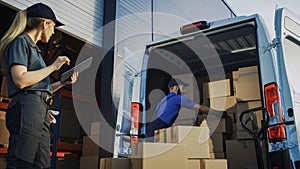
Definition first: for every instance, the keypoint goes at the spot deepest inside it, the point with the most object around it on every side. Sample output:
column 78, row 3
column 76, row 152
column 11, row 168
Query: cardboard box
column 90, row 146
column 207, row 164
column 220, row 88
column 4, row 88
column 195, row 140
column 241, row 154
column 158, row 155
column 245, row 71
column 248, row 88
column 89, row 162
column 223, row 103
column 115, row 163
column 160, row 136
column 95, row 129
column 4, row 134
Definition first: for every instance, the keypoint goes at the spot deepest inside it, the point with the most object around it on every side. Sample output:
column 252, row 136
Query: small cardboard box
column 158, row 155
column 248, row 88
column 220, row 88
column 207, row 164
column 90, row 146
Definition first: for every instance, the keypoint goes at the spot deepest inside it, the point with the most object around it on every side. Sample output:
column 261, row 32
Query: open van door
column 287, row 28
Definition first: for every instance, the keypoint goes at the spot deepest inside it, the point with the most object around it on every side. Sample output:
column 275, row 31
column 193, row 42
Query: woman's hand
column 73, row 79
column 60, row 61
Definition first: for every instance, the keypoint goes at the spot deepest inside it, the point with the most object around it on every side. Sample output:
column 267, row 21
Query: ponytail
column 18, row 26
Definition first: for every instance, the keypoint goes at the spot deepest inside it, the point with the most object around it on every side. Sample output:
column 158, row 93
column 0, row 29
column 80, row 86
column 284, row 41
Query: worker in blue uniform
column 168, row 108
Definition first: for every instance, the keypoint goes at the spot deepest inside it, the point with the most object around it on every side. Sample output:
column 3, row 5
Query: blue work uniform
column 27, row 116
column 167, row 111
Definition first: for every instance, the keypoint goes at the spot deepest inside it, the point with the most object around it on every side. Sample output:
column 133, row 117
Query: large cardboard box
column 4, row 134
column 241, row 154
column 90, row 146
column 219, row 88
column 115, row 163
column 89, row 162
column 158, row 156
column 207, row 164
column 223, row 103
column 248, row 88
column 195, row 140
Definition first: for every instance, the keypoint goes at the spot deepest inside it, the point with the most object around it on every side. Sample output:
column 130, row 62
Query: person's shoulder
column 19, row 39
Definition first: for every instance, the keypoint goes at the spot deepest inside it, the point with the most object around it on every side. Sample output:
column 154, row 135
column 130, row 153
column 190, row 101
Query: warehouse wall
column 81, row 18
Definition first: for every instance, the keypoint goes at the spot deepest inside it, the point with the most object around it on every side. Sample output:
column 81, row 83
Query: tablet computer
column 78, row 68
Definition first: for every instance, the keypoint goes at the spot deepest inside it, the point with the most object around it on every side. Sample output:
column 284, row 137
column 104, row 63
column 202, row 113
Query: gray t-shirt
column 23, row 51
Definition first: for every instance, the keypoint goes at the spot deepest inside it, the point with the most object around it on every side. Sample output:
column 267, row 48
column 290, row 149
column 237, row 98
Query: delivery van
column 231, row 65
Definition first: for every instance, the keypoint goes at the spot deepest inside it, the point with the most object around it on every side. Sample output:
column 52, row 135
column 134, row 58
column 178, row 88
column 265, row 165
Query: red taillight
column 272, row 100
column 136, row 109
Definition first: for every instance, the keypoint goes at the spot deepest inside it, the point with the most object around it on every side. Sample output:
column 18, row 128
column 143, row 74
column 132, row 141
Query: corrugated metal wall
column 81, row 18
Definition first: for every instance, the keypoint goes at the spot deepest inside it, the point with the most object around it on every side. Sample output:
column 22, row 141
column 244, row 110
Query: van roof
column 213, row 25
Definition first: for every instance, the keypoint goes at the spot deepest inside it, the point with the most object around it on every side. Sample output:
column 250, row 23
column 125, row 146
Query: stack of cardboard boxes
column 239, row 145
column 178, row 147
column 241, row 150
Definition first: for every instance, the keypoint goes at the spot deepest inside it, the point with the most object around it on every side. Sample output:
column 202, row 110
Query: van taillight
column 136, row 108
column 274, row 108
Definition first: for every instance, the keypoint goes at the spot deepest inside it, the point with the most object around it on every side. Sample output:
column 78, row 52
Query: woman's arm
column 23, row 78
column 57, row 85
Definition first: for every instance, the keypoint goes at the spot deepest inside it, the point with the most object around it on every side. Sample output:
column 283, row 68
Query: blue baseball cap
column 176, row 82
column 43, row 11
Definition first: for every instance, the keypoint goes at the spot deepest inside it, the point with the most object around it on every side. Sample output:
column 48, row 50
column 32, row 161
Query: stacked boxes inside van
column 239, row 145
column 177, row 147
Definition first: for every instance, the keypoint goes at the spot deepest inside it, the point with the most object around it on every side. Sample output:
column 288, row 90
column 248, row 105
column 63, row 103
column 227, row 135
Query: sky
column 266, row 8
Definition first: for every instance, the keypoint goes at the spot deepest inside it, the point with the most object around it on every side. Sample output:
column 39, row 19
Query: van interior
column 208, row 56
